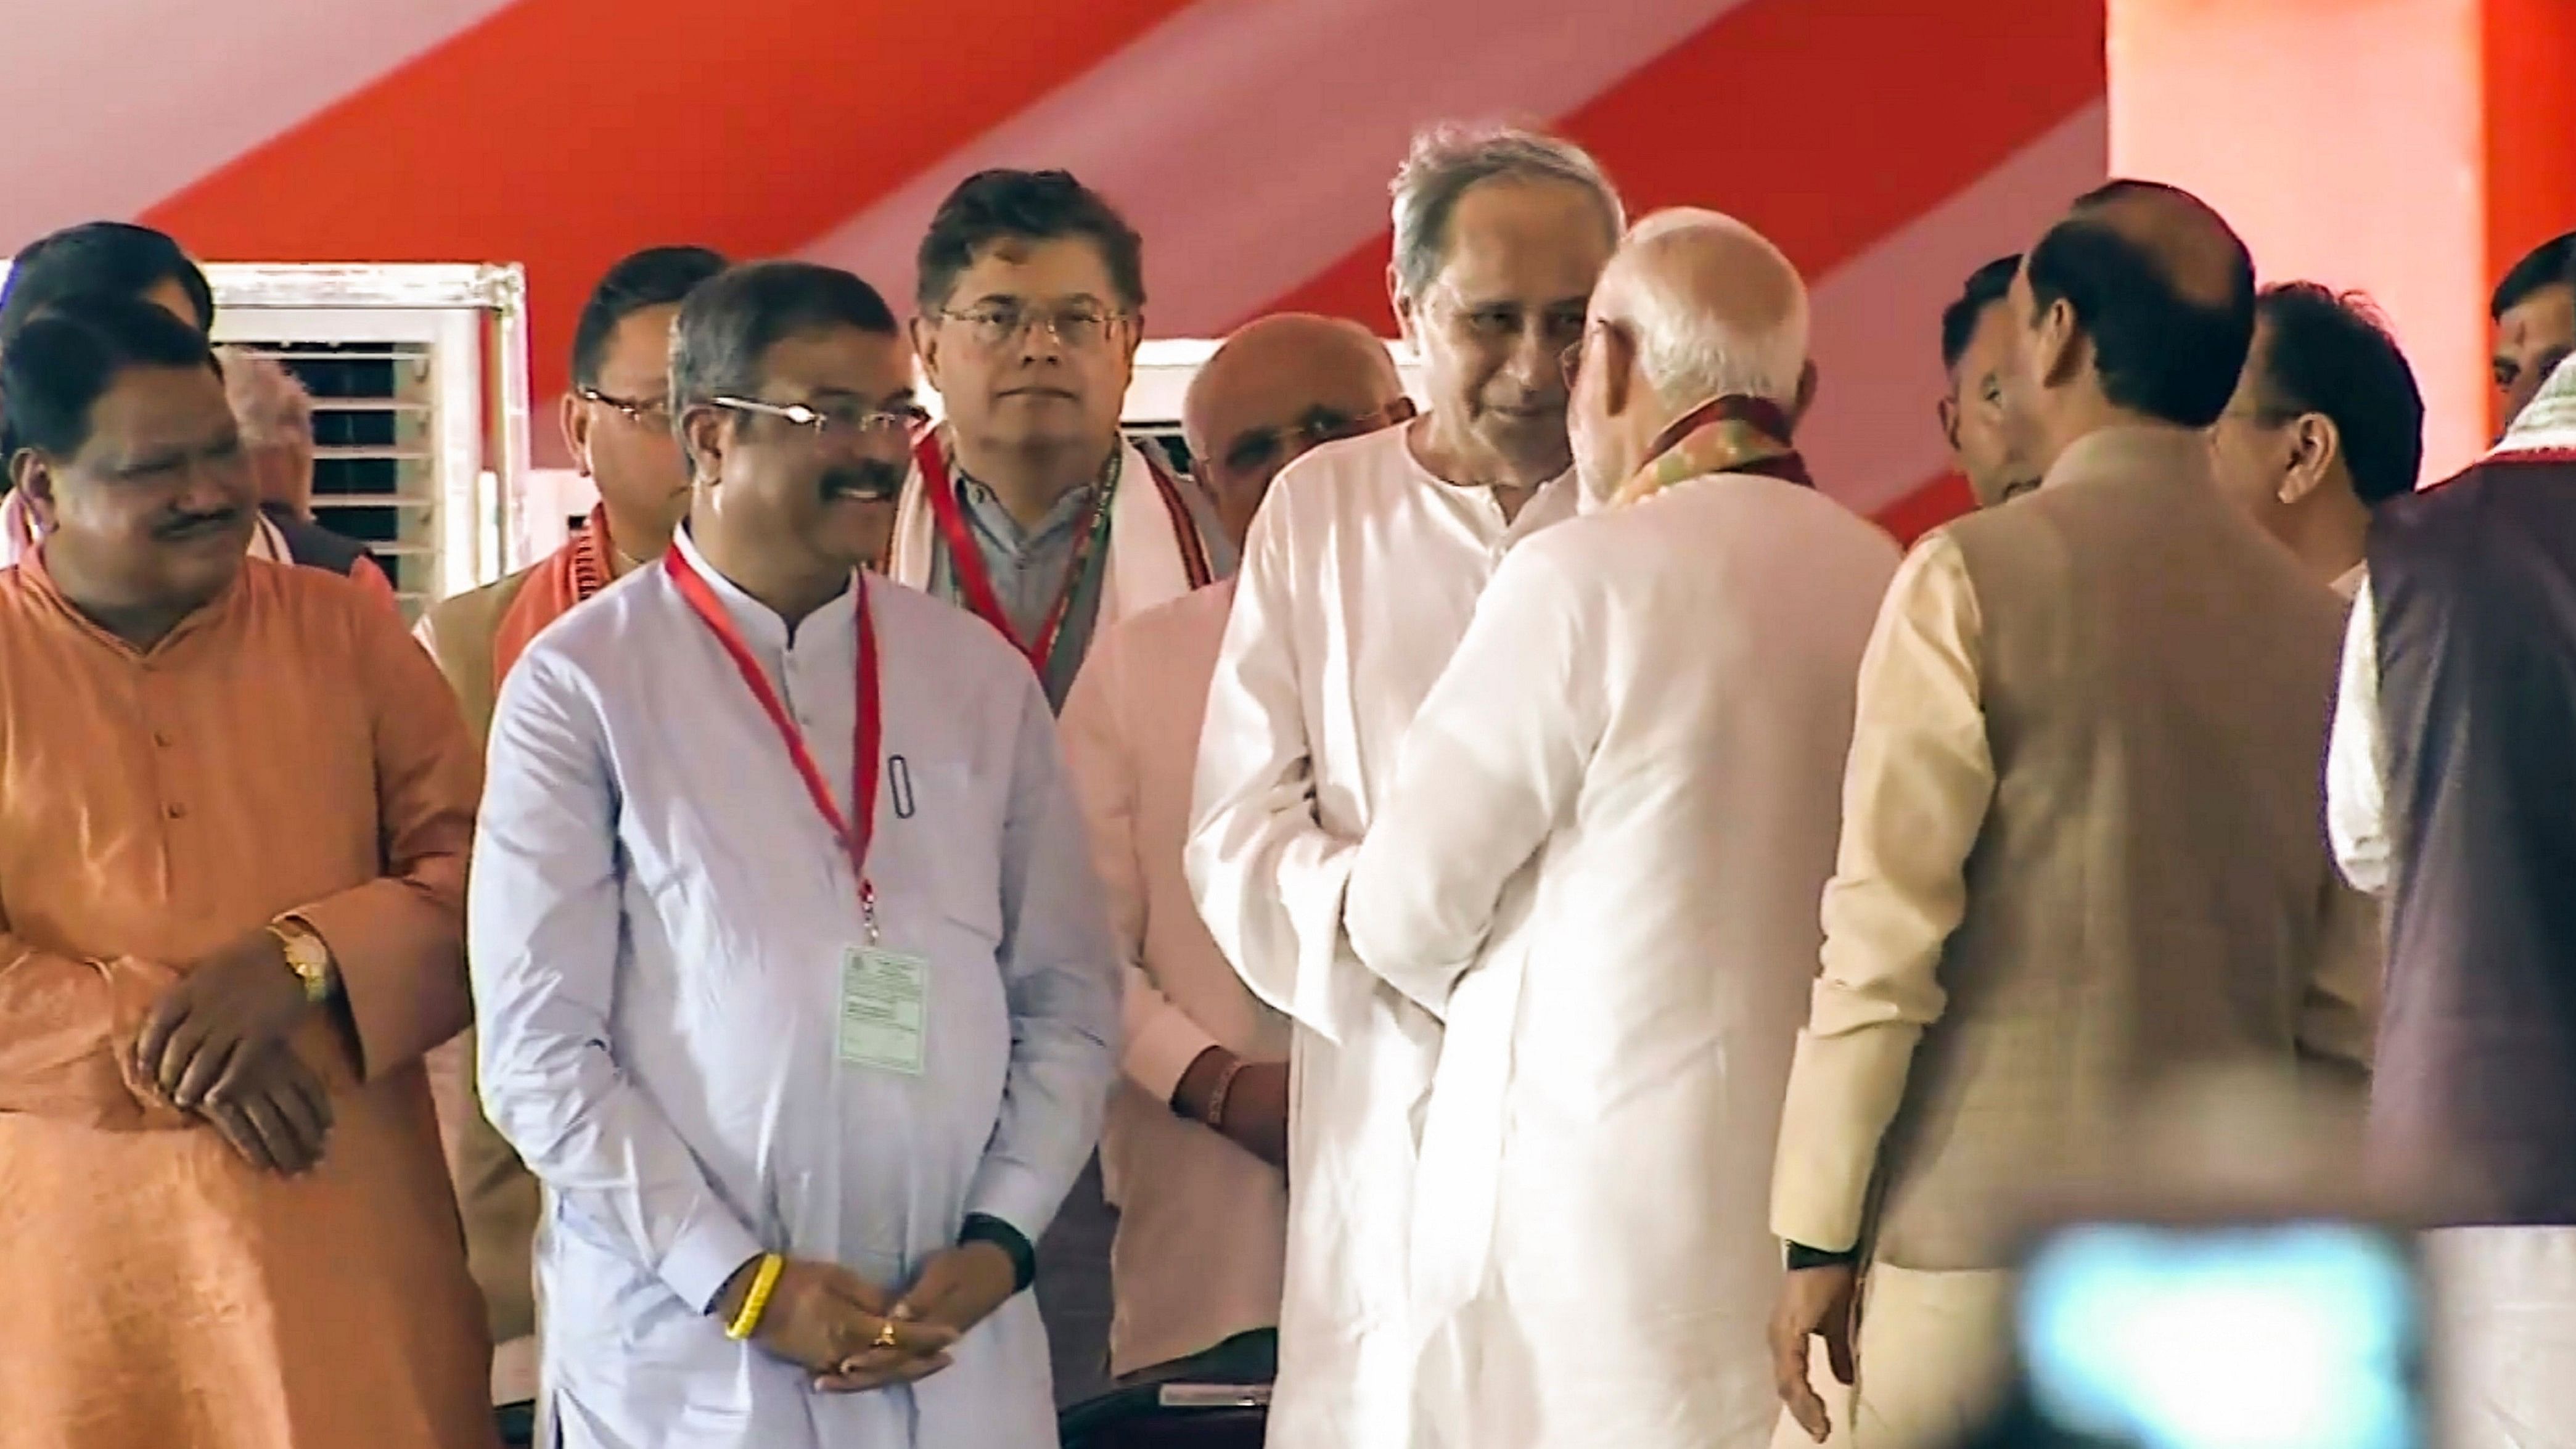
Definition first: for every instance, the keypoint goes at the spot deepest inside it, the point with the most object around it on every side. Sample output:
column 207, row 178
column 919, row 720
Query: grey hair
column 270, row 403
column 1691, row 353
column 1447, row 161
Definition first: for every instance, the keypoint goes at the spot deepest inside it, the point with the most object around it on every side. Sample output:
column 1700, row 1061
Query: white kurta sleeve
column 543, row 925
column 1060, row 974
column 2356, row 796
column 1492, row 763
column 1267, row 875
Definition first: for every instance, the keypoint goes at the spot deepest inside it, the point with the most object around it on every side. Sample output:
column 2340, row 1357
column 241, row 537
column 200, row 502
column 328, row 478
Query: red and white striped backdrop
column 1888, row 145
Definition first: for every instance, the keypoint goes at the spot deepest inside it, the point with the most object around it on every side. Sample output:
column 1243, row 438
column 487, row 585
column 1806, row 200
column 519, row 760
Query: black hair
column 992, row 206
column 2550, row 264
column 729, row 322
column 654, row 277
column 1987, row 286
column 2331, row 354
column 99, row 257
column 62, row 360
column 2155, row 351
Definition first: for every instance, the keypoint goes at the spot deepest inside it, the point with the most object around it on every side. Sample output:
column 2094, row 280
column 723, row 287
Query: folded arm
column 67, row 1029
column 1915, row 794
column 1268, row 876
column 1060, row 976
column 545, row 924
column 399, row 940
column 1491, row 764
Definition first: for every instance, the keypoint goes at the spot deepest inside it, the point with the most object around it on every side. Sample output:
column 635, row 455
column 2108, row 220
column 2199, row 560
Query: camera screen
column 2270, row 1336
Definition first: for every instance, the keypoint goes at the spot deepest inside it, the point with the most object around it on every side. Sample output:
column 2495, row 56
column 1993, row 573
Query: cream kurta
column 1360, row 576
column 1600, row 865
column 284, row 749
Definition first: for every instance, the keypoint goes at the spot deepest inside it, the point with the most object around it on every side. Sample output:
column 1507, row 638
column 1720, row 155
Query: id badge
column 885, row 1010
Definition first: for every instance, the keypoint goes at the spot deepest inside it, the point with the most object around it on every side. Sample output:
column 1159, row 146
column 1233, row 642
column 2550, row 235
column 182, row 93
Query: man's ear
column 575, row 418
column 1617, row 357
column 1806, row 395
column 925, row 345
column 705, row 433
column 1403, row 305
column 2059, row 345
column 2316, row 446
column 32, row 473
column 1948, row 409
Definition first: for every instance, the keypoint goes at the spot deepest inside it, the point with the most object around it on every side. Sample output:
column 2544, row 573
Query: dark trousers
column 1073, row 1289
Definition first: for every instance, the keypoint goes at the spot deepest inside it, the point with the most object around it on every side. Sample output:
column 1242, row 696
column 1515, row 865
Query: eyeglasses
column 999, row 324
column 1252, row 452
column 835, row 420
column 643, row 412
column 1571, row 359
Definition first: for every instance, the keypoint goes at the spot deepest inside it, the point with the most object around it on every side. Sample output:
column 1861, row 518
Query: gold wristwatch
column 308, row 957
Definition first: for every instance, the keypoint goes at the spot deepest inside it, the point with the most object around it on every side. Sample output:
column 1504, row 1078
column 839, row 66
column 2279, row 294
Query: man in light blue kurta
column 661, row 916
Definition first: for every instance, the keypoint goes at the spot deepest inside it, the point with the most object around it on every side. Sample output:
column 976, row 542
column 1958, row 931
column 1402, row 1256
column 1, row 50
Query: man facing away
column 1195, row 1146
column 276, row 418
column 1976, row 347
column 1361, row 573
column 2534, row 309
column 1598, row 867
column 792, row 980
column 2326, row 425
column 2079, row 849
column 231, row 873
column 2451, row 794
column 118, row 258
column 617, row 423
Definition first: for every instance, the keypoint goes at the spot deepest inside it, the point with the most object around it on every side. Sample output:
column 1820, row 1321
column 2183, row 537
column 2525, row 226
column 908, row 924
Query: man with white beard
column 1359, row 577
column 1599, row 864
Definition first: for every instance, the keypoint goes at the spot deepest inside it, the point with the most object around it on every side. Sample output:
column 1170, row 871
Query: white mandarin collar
column 760, row 625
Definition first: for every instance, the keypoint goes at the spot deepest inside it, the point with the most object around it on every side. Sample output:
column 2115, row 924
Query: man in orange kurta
column 235, row 803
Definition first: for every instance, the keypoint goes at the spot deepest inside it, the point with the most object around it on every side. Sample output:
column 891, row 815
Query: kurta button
column 175, row 810
column 163, row 739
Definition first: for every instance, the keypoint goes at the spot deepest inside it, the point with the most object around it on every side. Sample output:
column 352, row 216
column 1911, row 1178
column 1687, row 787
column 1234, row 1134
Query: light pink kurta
column 1203, row 1224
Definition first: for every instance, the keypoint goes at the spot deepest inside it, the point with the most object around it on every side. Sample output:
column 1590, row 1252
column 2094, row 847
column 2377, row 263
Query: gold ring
column 885, row 1335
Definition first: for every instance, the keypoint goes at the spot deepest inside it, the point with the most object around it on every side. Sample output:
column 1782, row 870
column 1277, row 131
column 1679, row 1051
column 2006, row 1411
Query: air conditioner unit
column 419, row 376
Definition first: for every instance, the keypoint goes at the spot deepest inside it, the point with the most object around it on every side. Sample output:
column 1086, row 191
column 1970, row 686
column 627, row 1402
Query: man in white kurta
column 1599, row 867
column 711, row 1033
column 1359, row 577
column 1192, row 1150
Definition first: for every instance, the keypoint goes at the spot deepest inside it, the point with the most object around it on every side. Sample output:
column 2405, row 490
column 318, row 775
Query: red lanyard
column 853, row 831
column 974, row 581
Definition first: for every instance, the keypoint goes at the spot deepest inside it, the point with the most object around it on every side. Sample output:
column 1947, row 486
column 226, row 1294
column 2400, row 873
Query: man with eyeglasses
column 1359, row 578
column 795, row 987
column 1195, row 1147
column 617, row 422
column 1026, row 506
column 1028, row 509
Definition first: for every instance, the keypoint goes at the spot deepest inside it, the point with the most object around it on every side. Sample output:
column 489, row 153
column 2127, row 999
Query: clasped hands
column 216, row 1044
column 851, row 1337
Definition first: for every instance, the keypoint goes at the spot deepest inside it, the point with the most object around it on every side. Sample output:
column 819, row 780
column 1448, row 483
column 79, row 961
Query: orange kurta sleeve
column 67, row 1029
column 399, row 940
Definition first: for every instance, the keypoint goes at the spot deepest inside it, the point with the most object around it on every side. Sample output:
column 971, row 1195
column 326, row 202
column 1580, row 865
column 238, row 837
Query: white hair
column 1691, row 351
column 269, row 403
column 1449, row 160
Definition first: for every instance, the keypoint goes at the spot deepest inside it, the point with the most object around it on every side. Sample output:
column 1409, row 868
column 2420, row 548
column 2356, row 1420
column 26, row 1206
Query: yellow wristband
column 764, row 1281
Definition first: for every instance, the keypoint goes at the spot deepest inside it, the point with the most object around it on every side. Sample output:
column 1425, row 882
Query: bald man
column 1597, row 866
column 1192, row 1150
column 2080, row 847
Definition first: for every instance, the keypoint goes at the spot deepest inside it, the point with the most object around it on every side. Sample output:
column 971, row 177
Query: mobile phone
column 2247, row 1335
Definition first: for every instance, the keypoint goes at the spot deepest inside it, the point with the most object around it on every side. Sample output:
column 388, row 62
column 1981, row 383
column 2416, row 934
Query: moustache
column 867, row 482
column 179, row 526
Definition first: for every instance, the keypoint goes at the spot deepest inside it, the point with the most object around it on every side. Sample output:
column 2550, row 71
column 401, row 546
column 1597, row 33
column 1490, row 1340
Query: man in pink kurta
column 1193, row 1149
column 235, row 802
